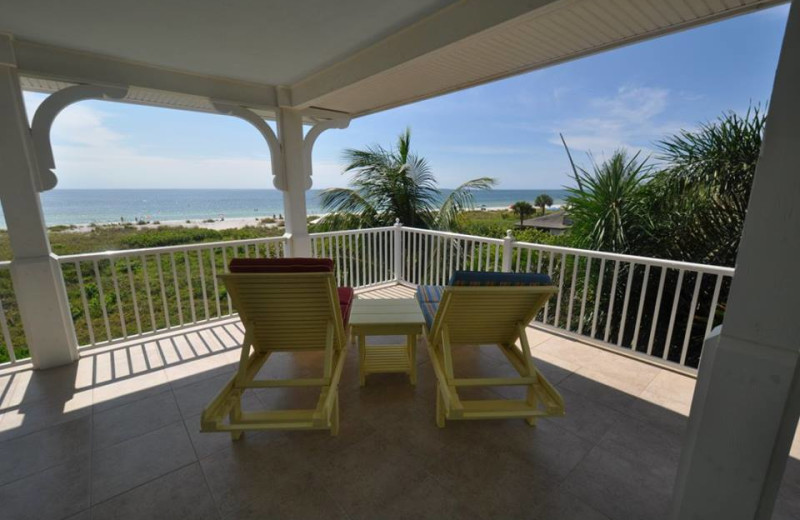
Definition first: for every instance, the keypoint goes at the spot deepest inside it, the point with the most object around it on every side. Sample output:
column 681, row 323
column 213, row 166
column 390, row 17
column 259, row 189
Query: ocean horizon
column 104, row 206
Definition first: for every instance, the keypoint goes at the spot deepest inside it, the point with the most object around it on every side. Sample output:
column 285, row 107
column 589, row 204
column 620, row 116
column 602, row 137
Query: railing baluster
column 176, row 286
column 118, row 297
column 584, row 292
column 496, row 257
column 575, row 263
column 225, row 270
column 84, row 300
column 656, row 311
column 102, row 297
column 628, row 283
column 212, row 254
column 675, row 300
column 612, row 298
column 597, row 296
column 133, row 296
column 550, row 274
column 561, row 266
column 190, row 284
column 143, row 259
column 163, row 290
column 712, row 310
column 690, row 321
column 203, row 281
column 642, row 297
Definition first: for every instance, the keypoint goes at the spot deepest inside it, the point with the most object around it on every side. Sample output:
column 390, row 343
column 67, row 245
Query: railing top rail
column 454, row 235
column 5, row 264
column 643, row 260
column 350, row 232
column 166, row 249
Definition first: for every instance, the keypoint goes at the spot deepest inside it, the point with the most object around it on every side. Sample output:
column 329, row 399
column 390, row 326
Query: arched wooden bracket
column 278, row 174
column 43, row 122
column 311, row 137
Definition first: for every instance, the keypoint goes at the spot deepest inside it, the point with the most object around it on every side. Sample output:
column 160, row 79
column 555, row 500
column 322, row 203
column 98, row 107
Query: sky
column 628, row 98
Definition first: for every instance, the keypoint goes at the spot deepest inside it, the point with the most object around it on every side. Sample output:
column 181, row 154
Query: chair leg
column 235, row 415
column 362, row 358
column 531, row 400
column 411, row 341
column 335, row 416
column 440, row 414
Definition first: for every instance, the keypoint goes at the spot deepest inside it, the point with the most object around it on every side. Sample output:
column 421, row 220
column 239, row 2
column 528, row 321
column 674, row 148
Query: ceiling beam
column 445, row 27
column 60, row 64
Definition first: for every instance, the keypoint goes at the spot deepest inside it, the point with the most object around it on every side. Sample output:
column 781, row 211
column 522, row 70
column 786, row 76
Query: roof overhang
column 437, row 47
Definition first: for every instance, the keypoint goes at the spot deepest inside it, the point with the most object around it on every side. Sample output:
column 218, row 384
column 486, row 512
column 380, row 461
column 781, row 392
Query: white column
column 747, row 400
column 297, row 182
column 35, row 272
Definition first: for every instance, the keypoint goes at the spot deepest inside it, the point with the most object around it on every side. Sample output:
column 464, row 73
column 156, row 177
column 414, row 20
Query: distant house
column 555, row 223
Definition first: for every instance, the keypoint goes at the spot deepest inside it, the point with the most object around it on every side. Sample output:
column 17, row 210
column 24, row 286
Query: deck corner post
column 508, row 251
column 398, row 251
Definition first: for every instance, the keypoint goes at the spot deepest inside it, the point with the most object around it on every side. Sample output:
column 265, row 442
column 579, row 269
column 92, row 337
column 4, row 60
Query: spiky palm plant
column 699, row 200
column 389, row 184
column 608, row 210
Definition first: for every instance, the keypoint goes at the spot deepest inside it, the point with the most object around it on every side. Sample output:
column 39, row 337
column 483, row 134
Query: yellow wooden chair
column 488, row 308
column 286, row 305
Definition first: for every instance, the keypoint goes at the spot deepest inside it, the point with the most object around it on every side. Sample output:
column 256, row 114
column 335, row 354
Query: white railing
column 652, row 307
column 658, row 309
column 430, row 257
column 10, row 324
column 121, row 294
column 646, row 306
column 362, row 257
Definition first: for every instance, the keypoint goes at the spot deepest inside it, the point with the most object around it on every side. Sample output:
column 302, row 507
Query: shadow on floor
column 117, row 435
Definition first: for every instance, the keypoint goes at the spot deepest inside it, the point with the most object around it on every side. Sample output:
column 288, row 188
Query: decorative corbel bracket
column 278, row 171
column 43, row 122
column 311, row 138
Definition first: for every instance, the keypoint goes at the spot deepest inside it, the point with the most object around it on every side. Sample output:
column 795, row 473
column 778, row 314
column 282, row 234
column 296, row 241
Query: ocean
column 64, row 207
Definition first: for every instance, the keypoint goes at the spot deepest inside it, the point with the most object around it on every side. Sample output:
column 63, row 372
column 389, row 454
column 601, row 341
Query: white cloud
column 630, row 120
column 478, row 149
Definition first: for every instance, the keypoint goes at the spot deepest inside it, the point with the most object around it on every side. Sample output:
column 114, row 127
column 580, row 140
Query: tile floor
column 117, row 436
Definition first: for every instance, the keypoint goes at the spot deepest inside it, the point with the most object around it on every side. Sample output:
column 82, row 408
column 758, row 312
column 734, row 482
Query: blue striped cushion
column 489, row 279
column 430, row 293
column 428, row 297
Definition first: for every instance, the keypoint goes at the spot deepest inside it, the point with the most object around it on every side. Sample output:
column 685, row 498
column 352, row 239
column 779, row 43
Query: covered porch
column 116, row 435
column 107, row 429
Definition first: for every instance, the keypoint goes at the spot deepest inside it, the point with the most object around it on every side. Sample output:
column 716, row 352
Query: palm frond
column 460, row 199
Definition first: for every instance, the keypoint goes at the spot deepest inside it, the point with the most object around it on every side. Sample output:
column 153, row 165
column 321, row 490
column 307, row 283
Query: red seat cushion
column 295, row 265
column 346, row 298
column 281, row 265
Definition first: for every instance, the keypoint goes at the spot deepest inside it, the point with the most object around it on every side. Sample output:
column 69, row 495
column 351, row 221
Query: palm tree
column 544, row 200
column 609, row 210
column 699, row 200
column 389, row 184
column 522, row 209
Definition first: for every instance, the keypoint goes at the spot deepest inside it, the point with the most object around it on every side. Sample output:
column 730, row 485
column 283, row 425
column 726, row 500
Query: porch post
column 35, row 271
column 296, row 182
column 747, row 400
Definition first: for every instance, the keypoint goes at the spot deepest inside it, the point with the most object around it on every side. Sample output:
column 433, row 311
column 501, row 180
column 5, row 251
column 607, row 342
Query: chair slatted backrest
column 483, row 315
column 287, row 310
column 486, row 307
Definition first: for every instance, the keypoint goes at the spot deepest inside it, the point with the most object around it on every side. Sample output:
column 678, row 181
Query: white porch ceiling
column 352, row 56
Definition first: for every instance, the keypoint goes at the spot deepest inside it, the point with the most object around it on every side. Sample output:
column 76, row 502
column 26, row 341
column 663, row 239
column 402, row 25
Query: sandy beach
column 218, row 224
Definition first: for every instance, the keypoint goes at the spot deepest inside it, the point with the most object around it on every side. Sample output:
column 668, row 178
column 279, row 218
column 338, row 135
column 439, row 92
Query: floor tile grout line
column 198, row 460
column 148, row 481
